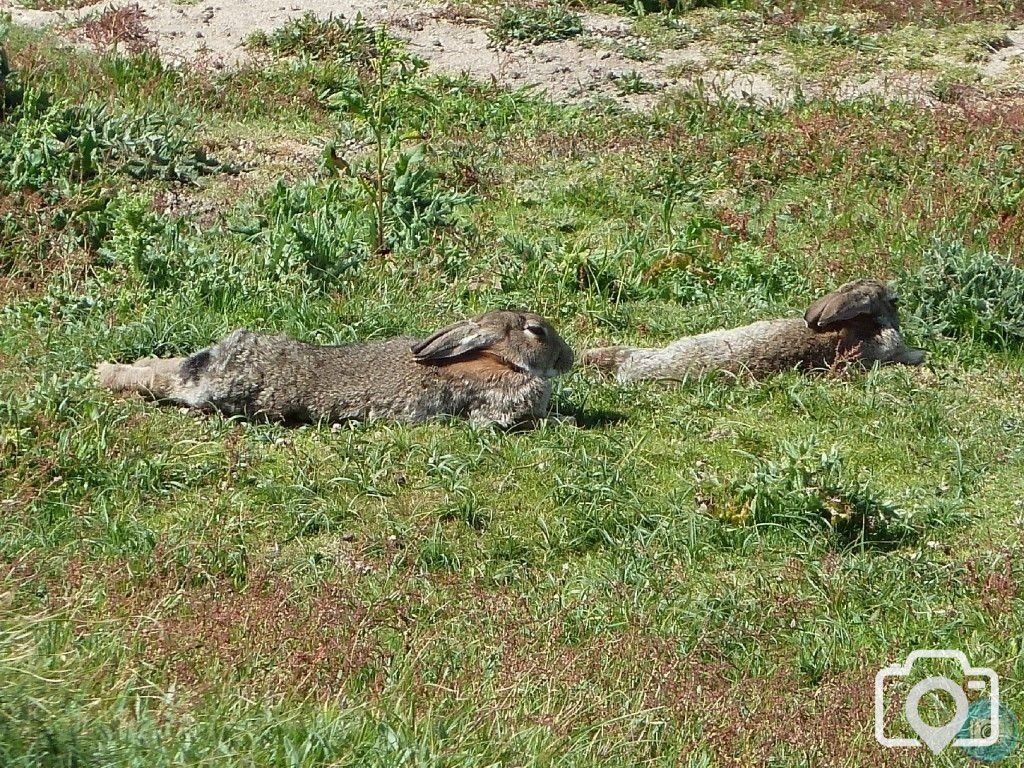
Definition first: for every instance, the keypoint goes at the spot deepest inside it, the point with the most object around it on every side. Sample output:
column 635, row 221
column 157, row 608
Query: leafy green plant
column 417, row 203
column 313, row 226
column 149, row 146
column 804, row 485
column 330, row 227
column 133, row 226
column 141, row 73
column 686, row 271
column 636, row 52
column 302, row 239
column 55, row 147
column 830, row 34
column 319, row 38
column 632, row 82
column 962, row 293
column 66, row 153
column 396, row 181
column 536, row 24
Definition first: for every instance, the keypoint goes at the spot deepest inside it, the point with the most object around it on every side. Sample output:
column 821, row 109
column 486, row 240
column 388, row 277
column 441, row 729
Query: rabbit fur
column 858, row 321
column 495, row 368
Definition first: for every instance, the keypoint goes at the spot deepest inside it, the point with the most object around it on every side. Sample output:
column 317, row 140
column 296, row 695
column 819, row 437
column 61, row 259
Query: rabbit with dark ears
column 856, row 322
column 495, row 368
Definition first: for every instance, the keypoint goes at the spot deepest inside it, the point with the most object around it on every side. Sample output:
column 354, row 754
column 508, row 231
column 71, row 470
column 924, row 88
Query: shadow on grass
column 595, row 417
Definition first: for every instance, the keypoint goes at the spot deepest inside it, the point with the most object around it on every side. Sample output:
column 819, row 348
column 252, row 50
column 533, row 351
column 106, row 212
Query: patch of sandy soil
column 1008, row 61
column 452, row 41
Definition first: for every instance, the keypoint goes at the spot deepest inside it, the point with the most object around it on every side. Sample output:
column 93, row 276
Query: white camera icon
column 937, row 738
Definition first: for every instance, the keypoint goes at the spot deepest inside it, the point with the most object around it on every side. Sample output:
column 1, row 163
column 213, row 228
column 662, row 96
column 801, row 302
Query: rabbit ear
column 863, row 297
column 457, row 339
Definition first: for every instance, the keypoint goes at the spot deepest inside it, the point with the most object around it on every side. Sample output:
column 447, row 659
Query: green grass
column 704, row 575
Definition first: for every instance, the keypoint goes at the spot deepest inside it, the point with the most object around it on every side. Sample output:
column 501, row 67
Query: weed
column 635, row 52
column 830, row 34
column 49, row 147
column 632, row 82
column 962, row 293
column 67, row 154
column 396, row 181
column 119, row 30
column 332, row 39
column 536, row 24
column 806, row 485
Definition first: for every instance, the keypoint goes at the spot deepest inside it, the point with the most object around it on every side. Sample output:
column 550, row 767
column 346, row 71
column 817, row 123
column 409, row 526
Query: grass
column 705, row 575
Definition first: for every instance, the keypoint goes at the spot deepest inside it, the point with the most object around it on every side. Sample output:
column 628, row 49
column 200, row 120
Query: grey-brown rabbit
column 495, row 368
column 858, row 321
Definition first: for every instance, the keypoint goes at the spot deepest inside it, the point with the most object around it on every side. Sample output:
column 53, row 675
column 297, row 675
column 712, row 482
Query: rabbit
column 858, row 321
column 495, row 368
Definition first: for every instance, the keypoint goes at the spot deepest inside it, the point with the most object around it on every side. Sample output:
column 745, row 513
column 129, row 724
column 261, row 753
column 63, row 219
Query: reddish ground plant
column 995, row 582
column 512, row 657
column 942, row 12
column 120, row 30
column 896, row 13
column 267, row 638
column 58, row 5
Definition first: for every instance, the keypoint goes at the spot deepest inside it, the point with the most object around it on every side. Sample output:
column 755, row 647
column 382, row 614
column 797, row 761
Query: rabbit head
column 522, row 340
column 868, row 299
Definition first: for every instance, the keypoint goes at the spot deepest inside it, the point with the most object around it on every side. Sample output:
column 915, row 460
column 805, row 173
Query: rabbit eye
column 537, row 330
